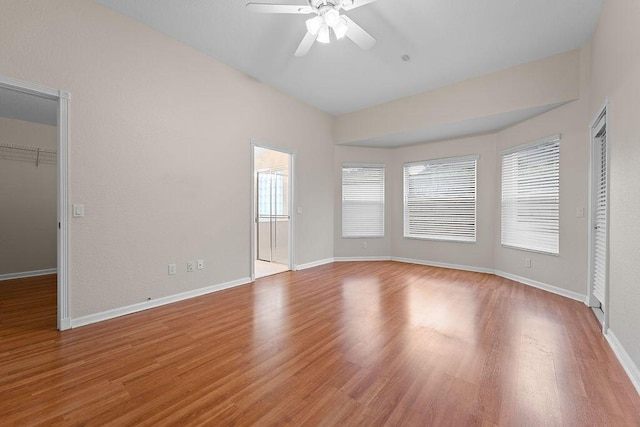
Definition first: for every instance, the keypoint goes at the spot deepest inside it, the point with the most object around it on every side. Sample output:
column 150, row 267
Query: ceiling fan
column 328, row 20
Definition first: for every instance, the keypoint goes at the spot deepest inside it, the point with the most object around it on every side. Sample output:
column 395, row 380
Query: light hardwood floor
column 342, row 344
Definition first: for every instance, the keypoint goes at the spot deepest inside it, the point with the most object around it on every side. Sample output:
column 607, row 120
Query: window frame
column 382, row 167
column 405, row 214
column 553, row 139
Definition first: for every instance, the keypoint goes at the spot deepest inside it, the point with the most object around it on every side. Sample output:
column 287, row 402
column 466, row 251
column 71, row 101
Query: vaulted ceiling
column 447, row 41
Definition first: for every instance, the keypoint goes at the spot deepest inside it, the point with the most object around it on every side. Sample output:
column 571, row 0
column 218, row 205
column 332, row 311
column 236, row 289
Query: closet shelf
column 23, row 153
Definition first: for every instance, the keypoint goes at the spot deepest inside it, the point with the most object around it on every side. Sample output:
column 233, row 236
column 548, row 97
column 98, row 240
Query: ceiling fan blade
column 279, row 8
column 358, row 35
column 352, row 4
column 305, row 44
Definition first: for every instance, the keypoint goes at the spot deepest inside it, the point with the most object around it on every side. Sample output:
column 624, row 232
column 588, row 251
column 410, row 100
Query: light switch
column 78, row 210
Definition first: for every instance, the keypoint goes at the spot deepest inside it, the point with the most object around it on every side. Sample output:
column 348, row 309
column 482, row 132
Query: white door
column 599, row 217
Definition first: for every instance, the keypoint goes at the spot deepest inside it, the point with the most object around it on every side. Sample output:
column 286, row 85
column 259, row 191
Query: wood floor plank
column 378, row 343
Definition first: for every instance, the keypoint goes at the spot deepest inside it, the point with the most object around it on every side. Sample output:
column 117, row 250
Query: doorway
column 35, row 151
column 271, row 217
column 599, row 219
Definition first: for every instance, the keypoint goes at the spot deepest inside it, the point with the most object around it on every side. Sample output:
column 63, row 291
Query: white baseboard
column 362, row 258
column 313, row 264
column 529, row 282
column 443, row 265
column 545, row 287
column 23, row 274
column 64, row 324
column 625, row 360
column 117, row 312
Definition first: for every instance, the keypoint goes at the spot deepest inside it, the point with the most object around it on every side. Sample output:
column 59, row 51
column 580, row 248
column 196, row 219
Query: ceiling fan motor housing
column 327, row 22
column 321, row 6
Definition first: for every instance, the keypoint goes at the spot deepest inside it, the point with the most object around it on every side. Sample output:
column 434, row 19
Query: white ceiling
column 447, row 40
column 29, row 108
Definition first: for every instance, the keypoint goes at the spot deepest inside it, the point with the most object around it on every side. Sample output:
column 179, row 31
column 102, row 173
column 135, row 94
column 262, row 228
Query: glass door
column 272, row 228
column 272, row 216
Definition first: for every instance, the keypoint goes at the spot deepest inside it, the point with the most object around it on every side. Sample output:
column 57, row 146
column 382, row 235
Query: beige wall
column 160, row 152
column 270, row 159
column 615, row 69
column 28, row 200
column 545, row 82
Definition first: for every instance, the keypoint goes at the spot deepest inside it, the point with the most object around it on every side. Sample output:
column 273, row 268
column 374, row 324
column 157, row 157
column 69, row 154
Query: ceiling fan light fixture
column 314, row 24
column 341, row 28
column 324, row 35
column 325, row 19
column 331, row 17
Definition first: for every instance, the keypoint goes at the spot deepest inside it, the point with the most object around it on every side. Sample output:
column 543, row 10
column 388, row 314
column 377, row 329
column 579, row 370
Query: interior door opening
column 272, row 207
column 29, row 221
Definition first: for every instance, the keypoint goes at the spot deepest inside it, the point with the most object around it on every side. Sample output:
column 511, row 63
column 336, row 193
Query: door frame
column 252, row 220
column 62, row 98
column 604, row 111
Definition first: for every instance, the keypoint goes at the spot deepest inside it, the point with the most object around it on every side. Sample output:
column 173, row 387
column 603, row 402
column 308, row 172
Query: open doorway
column 29, row 194
column 33, row 189
column 272, row 227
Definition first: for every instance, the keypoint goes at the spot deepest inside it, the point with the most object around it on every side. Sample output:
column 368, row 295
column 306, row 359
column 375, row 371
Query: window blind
column 440, row 199
column 531, row 196
column 600, row 249
column 362, row 200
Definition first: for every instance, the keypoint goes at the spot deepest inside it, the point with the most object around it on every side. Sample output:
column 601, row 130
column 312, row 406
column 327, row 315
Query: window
column 440, row 199
column 271, row 195
column 531, row 196
column 362, row 200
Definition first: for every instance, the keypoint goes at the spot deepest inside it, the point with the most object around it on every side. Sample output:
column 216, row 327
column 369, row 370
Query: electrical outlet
column 189, row 266
column 527, row 262
column 364, row 244
column 200, row 264
column 172, row 269
column 579, row 212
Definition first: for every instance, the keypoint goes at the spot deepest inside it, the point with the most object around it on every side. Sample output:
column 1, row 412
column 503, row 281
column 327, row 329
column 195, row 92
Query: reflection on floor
column 349, row 343
column 264, row 268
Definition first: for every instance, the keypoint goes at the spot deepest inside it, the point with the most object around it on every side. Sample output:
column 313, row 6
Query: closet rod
column 29, row 154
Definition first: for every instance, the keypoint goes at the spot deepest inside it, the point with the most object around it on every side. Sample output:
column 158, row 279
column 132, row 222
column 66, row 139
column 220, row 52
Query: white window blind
column 600, row 210
column 531, row 196
column 362, row 200
column 440, row 199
